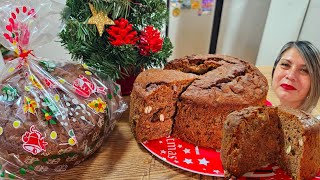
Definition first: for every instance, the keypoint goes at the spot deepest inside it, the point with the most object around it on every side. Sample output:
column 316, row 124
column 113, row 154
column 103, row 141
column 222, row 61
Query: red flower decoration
column 150, row 41
column 121, row 33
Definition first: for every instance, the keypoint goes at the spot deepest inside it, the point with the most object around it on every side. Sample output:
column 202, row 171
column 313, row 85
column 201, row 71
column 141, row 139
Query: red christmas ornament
column 150, row 41
column 122, row 33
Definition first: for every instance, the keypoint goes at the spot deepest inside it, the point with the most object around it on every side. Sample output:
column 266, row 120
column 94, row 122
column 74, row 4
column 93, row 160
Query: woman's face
column 291, row 80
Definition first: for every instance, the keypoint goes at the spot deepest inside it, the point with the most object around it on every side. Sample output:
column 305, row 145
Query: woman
column 296, row 75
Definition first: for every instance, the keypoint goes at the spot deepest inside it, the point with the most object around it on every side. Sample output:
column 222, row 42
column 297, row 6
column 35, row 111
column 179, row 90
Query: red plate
column 204, row 161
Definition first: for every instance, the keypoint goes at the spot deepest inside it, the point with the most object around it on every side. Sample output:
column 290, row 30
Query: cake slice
column 153, row 102
column 250, row 140
column 257, row 136
column 300, row 155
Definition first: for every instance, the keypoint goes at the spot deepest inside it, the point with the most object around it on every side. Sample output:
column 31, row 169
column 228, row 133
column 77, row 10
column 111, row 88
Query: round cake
column 216, row 86
column 52, row 117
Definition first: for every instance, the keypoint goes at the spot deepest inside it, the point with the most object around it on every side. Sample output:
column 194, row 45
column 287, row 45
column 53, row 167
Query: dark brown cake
column 257, row 136
column 225, row 84
column 57, row 119
column 153, row 102
column 200, row 105
column 300, row 155
column 250, row 140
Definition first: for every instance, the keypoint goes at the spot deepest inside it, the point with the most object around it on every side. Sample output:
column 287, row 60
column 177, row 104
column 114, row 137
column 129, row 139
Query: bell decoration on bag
column 33, row 141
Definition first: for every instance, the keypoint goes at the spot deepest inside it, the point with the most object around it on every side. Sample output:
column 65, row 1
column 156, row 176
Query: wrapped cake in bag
column 52, row 116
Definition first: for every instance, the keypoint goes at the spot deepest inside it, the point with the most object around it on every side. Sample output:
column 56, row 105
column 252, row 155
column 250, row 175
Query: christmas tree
column 116, row 37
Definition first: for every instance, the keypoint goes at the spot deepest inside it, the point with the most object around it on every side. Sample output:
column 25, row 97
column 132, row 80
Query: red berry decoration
column 121, row 33
column 150, row 41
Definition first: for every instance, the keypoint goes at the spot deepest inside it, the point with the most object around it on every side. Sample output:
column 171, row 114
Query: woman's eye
column 304, row 71
column 284, row 65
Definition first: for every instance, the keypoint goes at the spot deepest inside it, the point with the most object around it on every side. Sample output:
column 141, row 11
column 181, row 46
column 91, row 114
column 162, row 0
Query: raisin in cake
column 292, row 140
column 53, row 120
column 225, row 84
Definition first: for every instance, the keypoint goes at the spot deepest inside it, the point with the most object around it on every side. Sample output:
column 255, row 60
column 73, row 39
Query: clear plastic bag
column 53, row 115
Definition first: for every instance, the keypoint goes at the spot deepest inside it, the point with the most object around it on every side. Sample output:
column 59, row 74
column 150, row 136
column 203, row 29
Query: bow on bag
column 27, row 25
column 18, row 33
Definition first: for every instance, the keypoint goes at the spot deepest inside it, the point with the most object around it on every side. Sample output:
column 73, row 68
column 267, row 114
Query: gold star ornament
column 99, row 19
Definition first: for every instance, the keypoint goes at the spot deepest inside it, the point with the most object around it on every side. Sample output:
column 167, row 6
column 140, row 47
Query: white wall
column 310, row 29
column 241, row 28
column 54, row 49
column 190, row 33
column 284, row 22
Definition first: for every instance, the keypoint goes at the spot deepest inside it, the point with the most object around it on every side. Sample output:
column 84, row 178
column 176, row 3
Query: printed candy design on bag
column 51, row 113
column 49, row 117
column 35, row 82
column 72, row 140
column 84, row 87
column 53, row 135
column 29, row 105
column 16, row 124
column 9, row 94
column 33, row 141
column 49, row 83
column 98, row 105
column 48, row 66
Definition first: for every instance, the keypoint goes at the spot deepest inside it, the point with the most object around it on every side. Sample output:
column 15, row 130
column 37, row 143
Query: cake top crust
column 151, row 79
column 251, row 112
column 223, row 80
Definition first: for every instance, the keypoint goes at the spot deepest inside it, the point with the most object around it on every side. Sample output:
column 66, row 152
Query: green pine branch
column 3, row 50
column 83, row 42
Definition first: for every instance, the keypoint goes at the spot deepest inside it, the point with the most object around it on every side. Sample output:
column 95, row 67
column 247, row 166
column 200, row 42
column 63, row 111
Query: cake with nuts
column 52, row 117
column 300, row 155
column 153, row 102
column 223, row 84
column 256, row 136
column 250, row 140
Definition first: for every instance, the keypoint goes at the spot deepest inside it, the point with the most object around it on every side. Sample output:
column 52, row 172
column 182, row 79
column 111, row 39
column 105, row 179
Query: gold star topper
column 99, row 19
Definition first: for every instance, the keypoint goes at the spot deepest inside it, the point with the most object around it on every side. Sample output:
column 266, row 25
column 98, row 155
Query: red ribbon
column 24, row 55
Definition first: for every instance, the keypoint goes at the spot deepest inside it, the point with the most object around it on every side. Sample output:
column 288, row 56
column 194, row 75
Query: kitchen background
column 253, row 30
